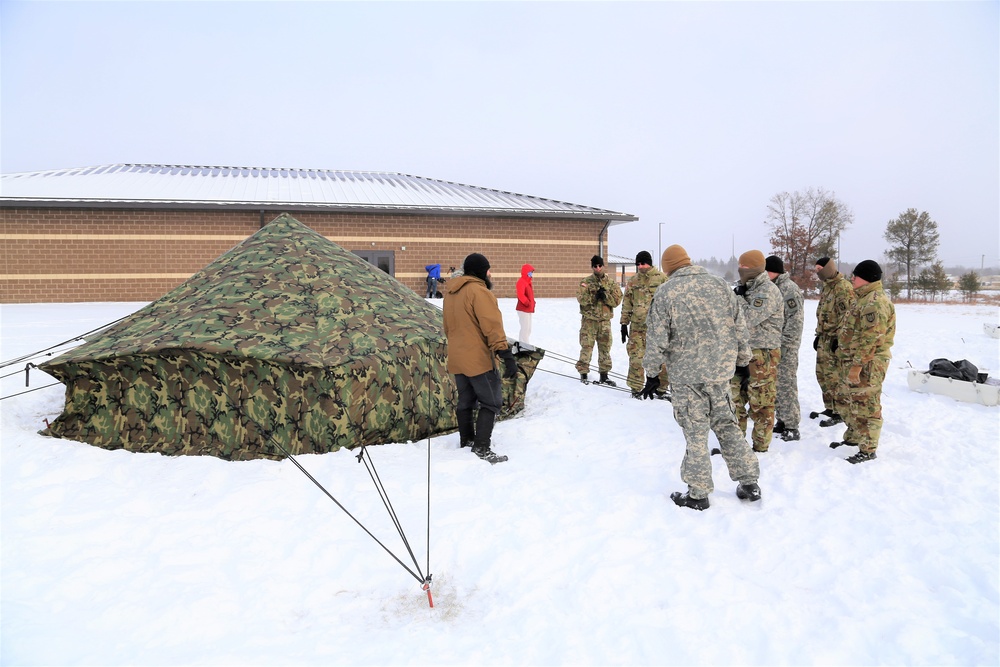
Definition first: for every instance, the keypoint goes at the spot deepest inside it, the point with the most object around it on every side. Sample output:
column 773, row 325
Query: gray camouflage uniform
column 695, row 326
column 787, row 403
column 762, row 309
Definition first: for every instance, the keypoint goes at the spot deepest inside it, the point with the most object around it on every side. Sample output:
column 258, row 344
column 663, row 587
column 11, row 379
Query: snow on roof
column 253, row 187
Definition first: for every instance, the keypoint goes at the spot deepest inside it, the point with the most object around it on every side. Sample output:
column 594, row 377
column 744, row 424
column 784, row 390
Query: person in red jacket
column 525, row 302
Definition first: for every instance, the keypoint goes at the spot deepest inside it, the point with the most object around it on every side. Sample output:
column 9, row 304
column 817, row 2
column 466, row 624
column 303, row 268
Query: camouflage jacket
column 791, row 330
column 836, row 298
column 696, row 326
column 869, row 327
column 473, row 325
column 638, row 295
column 592, row 308
column 762, row 308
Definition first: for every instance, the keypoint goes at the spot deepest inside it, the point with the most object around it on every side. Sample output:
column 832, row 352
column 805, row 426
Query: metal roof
column 177, row 186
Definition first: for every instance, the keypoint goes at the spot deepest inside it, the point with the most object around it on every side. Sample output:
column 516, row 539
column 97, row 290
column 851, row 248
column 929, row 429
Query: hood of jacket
column 525, row 270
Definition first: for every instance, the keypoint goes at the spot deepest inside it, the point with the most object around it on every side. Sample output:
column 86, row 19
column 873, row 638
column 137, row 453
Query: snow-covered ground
column 569, row 553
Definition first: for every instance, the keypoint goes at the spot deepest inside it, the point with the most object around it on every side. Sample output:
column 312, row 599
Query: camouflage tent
column 287, row 338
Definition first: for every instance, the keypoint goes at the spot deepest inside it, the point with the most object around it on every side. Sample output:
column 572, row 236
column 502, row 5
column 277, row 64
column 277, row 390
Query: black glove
column 600, row 293
column 652, row 384
column 834, row 344
column 509, row 363
column 816, row 343
column 743, row 372
column 624, row 333
column 740, row 289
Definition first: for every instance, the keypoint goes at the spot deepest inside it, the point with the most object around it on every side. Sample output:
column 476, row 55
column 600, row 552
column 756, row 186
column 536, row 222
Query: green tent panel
column 286, row 338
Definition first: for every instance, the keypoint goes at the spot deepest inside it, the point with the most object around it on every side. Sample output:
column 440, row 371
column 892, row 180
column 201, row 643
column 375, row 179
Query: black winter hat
column 868, row 270
column 476, row 265
column 774, row 264
column 596, row 260
column 644, row 258
column 822, row 261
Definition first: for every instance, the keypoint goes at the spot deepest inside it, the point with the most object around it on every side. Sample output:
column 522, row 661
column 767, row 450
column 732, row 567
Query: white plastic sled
column 968, row 392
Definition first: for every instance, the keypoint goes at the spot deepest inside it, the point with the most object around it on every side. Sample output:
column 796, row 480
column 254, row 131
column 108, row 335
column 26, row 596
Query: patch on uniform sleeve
column 791, row 303
column 870, row 318
column 758, row 302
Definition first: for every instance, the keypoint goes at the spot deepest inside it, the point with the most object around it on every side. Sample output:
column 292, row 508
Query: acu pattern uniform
column 787, row 401
column 635, row 305
column 696, row 327
column 866, row 338
column 835, row 300
column 763, row 311
column 595, row 314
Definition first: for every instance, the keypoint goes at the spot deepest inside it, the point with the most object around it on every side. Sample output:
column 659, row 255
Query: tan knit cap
column 827, row 271
column 753, row 259
column 674, row 258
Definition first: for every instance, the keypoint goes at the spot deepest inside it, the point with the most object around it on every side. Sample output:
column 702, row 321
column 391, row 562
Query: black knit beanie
column 774, row 264
column 476, row 265
column 868, row 270
column 644, row 258
column 596, row 260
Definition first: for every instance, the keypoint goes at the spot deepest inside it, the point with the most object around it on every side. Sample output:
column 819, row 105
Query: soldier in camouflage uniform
column 598, row 296
column 835, row 300
column 787, row 403
column 695, row 326
column 865, row 339
column 635, row 304
column 756, row 384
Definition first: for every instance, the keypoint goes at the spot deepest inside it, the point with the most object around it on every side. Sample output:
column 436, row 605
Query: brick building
column 129, row 232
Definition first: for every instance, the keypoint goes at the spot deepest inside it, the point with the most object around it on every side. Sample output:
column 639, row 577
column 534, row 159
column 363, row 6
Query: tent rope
column 270, row 437
column 47, row 352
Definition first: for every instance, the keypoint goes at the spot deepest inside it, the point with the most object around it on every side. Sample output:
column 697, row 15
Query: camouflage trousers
column 595, row 331
column 636, row 349
column 860, row 404
column 786, row 404
column 760, row 394
column 827, row 373
column 699, row 408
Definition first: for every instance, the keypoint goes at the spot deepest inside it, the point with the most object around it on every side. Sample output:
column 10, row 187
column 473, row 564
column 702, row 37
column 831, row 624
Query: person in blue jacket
column 433, row 275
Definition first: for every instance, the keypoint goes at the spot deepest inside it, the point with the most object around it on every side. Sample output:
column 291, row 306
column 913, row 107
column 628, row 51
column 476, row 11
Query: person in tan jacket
column 474, row 328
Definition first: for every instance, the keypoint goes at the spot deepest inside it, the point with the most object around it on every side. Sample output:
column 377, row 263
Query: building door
column 383, row 259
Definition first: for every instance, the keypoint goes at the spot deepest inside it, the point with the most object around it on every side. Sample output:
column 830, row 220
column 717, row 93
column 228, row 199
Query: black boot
column 832, row 420
column 825, row 413
column 466, row 427
column 861, row 457
column 484, row 431
column 748, row 491
column 583, row 378
column 790, row 434
column 605, row 380
column 842, row 443
column 779, row 427
column 488, row 455
column 685, row 500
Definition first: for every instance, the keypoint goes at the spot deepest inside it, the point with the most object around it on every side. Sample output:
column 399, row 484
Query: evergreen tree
column 933, row 281
column 969, row 284
column 913, row 239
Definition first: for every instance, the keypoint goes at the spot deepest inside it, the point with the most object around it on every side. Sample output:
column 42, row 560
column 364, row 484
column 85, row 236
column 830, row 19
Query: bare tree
column 805, row 226
column 913, row 239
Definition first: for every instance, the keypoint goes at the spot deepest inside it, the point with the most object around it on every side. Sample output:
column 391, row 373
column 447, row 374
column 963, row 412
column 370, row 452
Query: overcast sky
column 688, row 114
